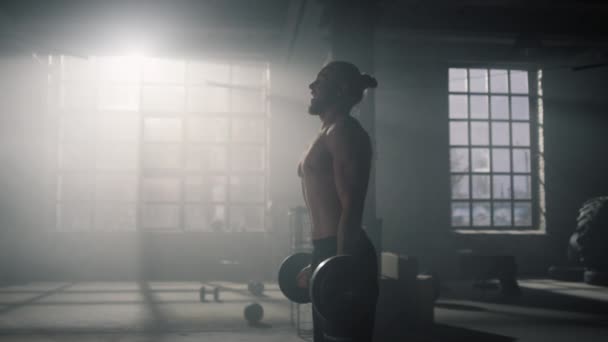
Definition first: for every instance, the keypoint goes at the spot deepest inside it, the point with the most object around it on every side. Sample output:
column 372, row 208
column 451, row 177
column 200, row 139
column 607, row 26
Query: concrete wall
column 412, row 156
column 576, row 126
column 412, row 176
column 413, row 188
column 31, row 249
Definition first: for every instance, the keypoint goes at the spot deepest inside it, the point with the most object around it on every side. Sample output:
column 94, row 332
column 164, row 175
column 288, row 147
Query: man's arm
column 351, row 153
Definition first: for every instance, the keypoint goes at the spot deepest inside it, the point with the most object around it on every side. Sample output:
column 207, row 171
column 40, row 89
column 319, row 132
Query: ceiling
column 193, row 26
column 274, row 27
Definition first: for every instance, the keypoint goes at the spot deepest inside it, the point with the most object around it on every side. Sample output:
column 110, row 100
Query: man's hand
column 303, row 278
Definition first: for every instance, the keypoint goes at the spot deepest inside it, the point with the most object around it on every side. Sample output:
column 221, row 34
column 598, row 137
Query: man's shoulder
column 347, row 126
column 348, row 132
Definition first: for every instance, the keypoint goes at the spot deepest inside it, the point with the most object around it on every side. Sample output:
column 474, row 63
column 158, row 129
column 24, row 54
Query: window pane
column 206, row 189
column 522, row 189
column 211, row 158
column 116, row 188
column 207, row 129
column 74, row 216
column 458, row 79
column 479, row 107
column 501, row 186
column 500, row 133
column 478, row 80
column 75, row 187
column 247, row 218
column 459, row 159
column 114, row 216
column 481, row 187
column 208, row 72
column 77, row 128
column 163, row 70
column 160, row 216
column 247, row 189
column 247, row 101
column 459, row 106
column 116, row 156
column 119, row 69
column 163, row 99
column 249, row 74
column 209, row 218
column 519, row 82
column 77, row 96
column 500, row 107
column 248, row 158
column 481, row 214
column 248, row 130
column 460, row 187
column 76, row 156
column 509, row 141
column 460, row 214
column 160, row 189
column 208, row 99
column 118, row 97
column 480, row 133
column 501, row 160
column 499, row 81
column 521, row 160
column 162, row 130
column 480, row 157
column 502, row 213
column 523, row 213
column 118, row 128
column 77, row 69
column 459, row 133
column 521, row 134
column 158, row 156
column 520, row 108
column 113, row 132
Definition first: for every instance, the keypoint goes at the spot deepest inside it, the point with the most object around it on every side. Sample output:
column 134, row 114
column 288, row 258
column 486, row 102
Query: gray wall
column 413, row 170
column 31, row 250
column 576, row 124
column 412, row 175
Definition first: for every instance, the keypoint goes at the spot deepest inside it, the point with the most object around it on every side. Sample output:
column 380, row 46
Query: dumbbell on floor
column 253, row 313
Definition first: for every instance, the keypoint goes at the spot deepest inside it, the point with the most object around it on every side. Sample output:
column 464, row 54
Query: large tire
column 593, row 277
column 589, row 242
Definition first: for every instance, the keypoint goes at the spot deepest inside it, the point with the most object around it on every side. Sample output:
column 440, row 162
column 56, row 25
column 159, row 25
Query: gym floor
column 171, row 311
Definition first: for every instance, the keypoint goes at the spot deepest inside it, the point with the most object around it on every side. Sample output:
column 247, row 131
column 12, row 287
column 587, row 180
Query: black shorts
column 365, row 253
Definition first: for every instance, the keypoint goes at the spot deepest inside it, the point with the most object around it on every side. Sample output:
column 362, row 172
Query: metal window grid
column 534, row 96
column 56, row 82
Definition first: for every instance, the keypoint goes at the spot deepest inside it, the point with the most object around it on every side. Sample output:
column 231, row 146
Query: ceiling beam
column 293, row 22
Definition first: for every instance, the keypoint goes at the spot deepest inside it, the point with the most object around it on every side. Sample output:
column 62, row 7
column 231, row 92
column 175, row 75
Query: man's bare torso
column 318, row 180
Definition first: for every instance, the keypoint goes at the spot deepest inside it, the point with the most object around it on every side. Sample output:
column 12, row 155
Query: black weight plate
column 340, row 291
column 288, row 272
column 253, row 313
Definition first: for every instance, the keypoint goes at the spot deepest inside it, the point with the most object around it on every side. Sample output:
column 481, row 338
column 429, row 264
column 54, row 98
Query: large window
column 495, row 118
column 159, row 144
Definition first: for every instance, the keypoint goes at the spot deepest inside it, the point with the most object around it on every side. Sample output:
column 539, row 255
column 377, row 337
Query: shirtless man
column 335, row 174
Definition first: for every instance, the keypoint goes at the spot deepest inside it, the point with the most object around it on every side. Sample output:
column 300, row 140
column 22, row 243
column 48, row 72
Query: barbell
column 340, row 291
column 288, row 272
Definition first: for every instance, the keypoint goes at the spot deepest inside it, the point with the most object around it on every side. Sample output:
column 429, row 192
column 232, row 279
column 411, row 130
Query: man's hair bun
column 368, row 81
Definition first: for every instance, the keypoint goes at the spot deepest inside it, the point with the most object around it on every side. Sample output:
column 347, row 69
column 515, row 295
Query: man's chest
column 317, row 158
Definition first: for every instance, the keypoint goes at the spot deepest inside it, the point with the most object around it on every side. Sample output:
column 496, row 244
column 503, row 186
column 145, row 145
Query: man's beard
column 317, row 106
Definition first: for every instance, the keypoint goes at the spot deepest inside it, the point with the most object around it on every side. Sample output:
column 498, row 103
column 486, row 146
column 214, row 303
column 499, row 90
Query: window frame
column 140, row 172
column 536, row 148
